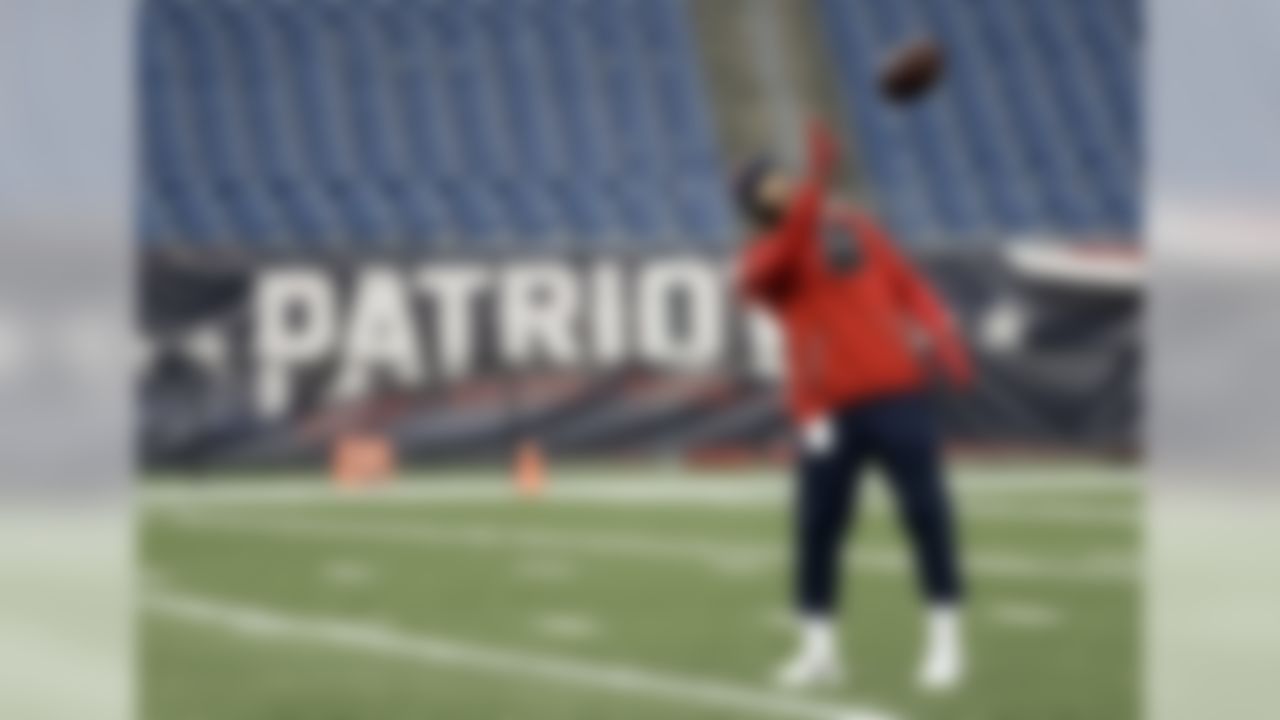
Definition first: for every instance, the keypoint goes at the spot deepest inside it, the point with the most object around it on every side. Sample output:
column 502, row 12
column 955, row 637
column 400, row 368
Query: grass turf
column 1053, row 617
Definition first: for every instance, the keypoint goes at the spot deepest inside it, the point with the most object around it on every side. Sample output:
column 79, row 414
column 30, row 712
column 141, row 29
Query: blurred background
column 461, row 224
column 468, row 261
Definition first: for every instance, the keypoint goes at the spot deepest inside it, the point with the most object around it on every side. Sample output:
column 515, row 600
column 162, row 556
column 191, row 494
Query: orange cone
column 361, row 461
column 530, row 469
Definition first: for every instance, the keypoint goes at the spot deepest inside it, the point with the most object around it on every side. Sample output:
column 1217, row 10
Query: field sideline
column 624, row 593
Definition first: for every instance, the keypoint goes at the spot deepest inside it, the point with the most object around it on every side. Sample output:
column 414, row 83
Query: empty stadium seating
column 1036, row 130
column 336, row 125
column 436, row 125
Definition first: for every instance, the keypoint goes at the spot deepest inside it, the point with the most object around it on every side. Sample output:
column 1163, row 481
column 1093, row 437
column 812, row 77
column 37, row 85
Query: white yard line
column 567, row 625
column 1070, row 514
column 994, row 508
column 752, row 489
column 1022, row 615
column 546, row 569
column 593, row 675
column 347, row 573
column 1105, row 568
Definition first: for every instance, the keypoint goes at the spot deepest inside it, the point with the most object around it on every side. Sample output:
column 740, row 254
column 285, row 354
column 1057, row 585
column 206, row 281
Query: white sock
column 944, row 662
column 944, row 626
column 818, row 636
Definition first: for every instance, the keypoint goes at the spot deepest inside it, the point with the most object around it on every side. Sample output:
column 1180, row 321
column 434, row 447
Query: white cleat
column 943, row 671
column 943, row 668
column 810, row 670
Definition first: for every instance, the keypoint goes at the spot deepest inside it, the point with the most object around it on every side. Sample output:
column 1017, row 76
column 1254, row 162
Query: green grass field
column 621, row 595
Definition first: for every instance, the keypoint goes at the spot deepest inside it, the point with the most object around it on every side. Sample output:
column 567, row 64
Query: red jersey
column 857, row 319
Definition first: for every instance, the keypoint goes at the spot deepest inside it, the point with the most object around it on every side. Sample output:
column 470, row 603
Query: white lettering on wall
column 681, row 322
column 539, row 306
column 295, row 325
column 381, row 338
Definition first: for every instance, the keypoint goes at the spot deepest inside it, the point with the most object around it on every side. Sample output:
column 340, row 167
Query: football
column 912, row 70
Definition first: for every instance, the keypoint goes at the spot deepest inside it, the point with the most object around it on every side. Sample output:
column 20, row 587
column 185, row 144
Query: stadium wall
column 595, row 356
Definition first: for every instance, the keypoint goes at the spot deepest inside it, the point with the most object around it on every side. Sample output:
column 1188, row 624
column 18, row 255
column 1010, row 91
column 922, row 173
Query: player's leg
column 907, row 440
column 824, row 484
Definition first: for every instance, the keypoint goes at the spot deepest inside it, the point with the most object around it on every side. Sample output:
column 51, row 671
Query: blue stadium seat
column 1036, row 129
column 330, row 125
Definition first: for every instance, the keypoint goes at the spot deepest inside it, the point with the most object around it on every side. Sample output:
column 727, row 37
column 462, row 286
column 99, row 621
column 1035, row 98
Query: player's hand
column 824, row 149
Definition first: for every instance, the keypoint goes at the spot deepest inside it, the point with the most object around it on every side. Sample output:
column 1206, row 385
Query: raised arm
column 770, row 261
column 801, row 219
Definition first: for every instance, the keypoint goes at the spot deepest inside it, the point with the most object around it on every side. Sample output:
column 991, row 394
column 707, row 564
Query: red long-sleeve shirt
column 850, row 334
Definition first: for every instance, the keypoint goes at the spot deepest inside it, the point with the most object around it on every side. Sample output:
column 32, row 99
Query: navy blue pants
column 900, row 433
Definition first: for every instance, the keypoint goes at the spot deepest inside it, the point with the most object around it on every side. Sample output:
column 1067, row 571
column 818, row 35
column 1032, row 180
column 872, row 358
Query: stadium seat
column 324, row 125
column 1036, row 129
